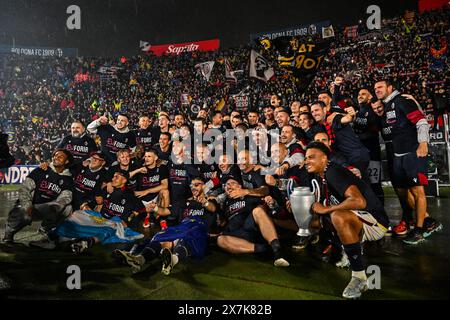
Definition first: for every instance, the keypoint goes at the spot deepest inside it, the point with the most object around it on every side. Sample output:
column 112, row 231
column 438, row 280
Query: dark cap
column 99, row 154
column 123, row 173
column 234, row 177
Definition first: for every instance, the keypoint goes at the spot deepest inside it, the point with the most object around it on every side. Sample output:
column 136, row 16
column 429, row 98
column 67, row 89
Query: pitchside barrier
column 15, row 174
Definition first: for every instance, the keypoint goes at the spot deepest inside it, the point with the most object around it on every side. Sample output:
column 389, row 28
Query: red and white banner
column 176, row 49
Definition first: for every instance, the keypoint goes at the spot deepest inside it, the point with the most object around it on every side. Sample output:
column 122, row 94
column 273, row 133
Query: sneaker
column 79, row 247
column 300, row 243
column 44, row 243
column 280, row 262
column 135, row 262
column 314, row 239
column 146, row 223
column 167, row 263
column 8, row 236
column 414, row 236
column 401, row 229
column 344, row 262
column 430, row 226
column 355, row 288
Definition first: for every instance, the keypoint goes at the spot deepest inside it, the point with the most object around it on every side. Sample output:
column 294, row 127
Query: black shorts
column 409, row 171
column 244, row 227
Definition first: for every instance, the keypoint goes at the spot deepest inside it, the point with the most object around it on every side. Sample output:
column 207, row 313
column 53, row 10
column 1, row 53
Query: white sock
column 359, row 274
column 174, row 259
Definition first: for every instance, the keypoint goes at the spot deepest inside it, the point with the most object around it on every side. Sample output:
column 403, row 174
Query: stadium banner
column 242, row 102
column 15, row 174
column 303, row 30
column 178, row 48
column 39, row 51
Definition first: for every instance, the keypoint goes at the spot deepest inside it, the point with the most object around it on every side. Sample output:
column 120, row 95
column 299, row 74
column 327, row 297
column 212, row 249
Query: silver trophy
column 301, row 201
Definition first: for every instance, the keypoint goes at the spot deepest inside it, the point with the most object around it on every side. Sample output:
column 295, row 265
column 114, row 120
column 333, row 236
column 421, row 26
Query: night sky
column 114, row 27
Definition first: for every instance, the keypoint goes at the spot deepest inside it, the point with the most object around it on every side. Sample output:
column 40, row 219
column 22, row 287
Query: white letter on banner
column 74, row 20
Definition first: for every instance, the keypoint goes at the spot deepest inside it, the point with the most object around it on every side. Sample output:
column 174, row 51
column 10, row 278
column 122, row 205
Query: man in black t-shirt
column 78, row 143
column 113, row 138
column 88, row 180
column 152, row 186
column 145, row 134
column 247, row 227
column 47, row 191
column 177, row 243
column 253, row 182
column 355, row 211
column 105, row 219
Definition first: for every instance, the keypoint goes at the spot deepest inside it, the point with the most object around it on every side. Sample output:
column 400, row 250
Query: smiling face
column 378, row 108
column 144, row 122
column 318, row 112
column 232, row 185
column 224, row 163
column 60, row 159
column 287, row 134
column 123, row 158
column 197, row 187
column 364, row 96
column 76, row 129
column 150, row 159
column 315, row 161
column 118, row 180
column 382, row 90
column 122, row 122
column 325, row 98
column 282, row 119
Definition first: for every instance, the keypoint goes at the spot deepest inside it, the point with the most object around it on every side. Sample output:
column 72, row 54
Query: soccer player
column 48, row 192
column 354, row 210
column 177, row 243
column 113, row 138
column 247, row 227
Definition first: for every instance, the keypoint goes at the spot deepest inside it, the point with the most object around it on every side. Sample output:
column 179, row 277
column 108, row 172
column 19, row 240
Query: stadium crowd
column 135, row 156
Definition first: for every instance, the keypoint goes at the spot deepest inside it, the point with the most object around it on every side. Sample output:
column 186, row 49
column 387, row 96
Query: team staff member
column 410, row 136
column 78, row 143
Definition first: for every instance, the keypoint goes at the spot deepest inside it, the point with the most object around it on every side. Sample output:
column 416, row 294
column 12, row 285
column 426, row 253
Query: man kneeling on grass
column 174, row 244
column 108, row 223
column 354, row 209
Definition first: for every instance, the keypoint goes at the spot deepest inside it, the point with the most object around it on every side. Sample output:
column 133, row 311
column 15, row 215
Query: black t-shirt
column 80, row 147
column 151, row 179
column 113, row 140
column 253, row 179
column 164, row 156
column 366, row 124
column 338, row 180
column 180, row 176
column 195, row 209
column 49, row 185
column 131, row 183
column 145, row 137
column 121, row 203
column 86, row 184
column 241, row 206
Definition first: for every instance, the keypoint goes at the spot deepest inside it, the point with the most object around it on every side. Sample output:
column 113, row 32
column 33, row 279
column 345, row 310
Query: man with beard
column 296, row 152
column 126, row 163
column 177, row 243
column 152, row 186
column 48, row 192
column 342, row 136
column 113, row 138
column 246, row 226
column 78, row 143
column 253, row 183
column 269, row 118
column 366, row 126
column 354, row 210
column 410, row 136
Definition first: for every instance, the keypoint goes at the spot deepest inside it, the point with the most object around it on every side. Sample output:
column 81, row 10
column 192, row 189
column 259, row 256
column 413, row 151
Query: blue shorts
column 409, row 171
